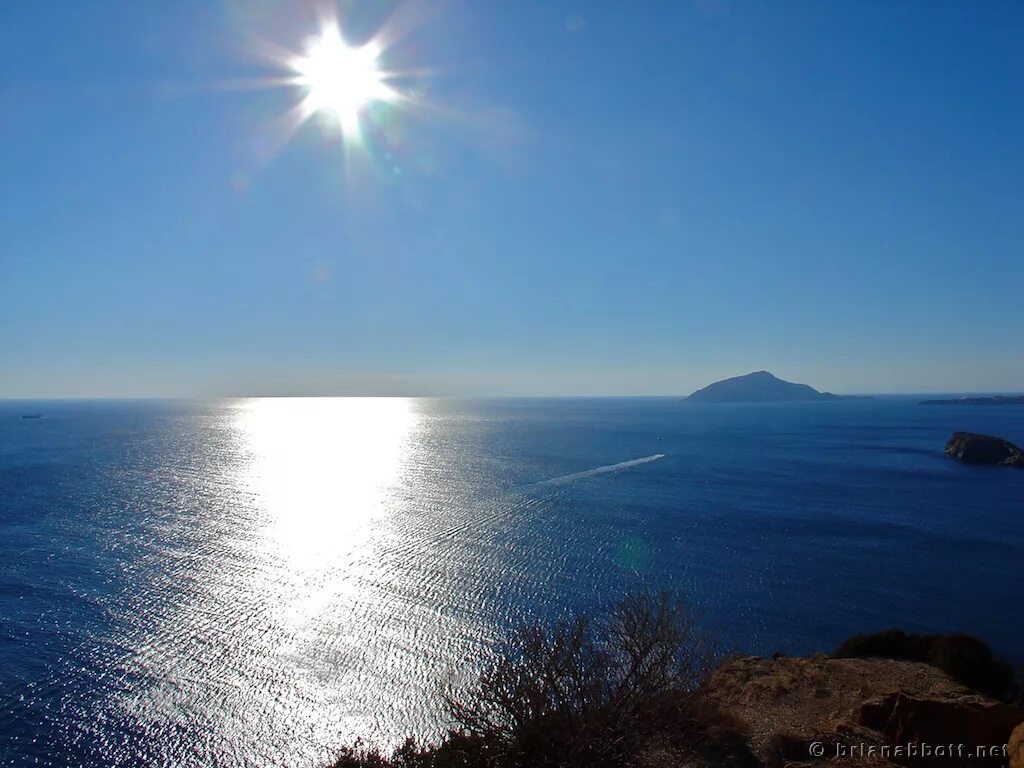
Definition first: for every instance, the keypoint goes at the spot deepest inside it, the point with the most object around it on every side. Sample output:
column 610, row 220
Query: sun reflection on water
column 321, row 469
column 268, row 624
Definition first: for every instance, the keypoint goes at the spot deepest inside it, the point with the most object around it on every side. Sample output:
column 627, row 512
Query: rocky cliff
column 821, row 710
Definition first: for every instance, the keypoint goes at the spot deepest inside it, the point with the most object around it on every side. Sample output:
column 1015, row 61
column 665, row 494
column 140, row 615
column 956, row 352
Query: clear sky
column 571, row 198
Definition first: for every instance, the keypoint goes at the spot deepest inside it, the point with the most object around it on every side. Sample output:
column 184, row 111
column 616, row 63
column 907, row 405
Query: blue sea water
column 255, row 582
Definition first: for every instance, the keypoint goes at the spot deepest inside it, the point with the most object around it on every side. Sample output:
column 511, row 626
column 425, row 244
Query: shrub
column 618, row 691
column 971, row 662
column 965, row 658
column 583, row 692
column 456, row 750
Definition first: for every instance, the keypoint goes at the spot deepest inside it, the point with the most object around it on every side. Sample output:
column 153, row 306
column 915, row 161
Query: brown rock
column 1015, row 747
column 958, row 723
column 781, row 704
column 873, row 706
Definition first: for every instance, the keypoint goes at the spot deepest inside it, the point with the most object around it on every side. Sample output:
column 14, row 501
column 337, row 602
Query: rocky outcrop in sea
column 984, row 449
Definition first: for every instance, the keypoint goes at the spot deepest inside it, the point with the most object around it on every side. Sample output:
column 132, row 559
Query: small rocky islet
column 973, row 448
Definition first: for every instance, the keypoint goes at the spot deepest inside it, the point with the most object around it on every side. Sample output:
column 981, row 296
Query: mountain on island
column 758, row 387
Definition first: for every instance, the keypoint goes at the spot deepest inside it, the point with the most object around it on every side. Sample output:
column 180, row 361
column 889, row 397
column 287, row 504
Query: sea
column 257, row 582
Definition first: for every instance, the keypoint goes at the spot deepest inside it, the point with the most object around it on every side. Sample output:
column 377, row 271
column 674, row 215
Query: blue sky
column 587, row 198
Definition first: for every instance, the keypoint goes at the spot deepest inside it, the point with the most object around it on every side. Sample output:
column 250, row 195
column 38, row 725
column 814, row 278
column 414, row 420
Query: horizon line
column 494, row 396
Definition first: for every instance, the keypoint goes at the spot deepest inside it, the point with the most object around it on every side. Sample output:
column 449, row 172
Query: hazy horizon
column 525, row 200
column 401, row 387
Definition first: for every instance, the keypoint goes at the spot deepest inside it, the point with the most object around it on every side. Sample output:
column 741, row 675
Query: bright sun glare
column 339, row 79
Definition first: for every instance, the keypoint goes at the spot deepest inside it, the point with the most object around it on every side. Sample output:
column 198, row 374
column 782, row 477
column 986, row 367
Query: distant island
column 984, row 449
column 994, row 400
column 759, row 387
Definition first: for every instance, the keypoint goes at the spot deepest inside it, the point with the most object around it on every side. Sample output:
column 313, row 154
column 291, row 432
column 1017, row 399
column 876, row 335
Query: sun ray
column 354, row 90
column 340, row 80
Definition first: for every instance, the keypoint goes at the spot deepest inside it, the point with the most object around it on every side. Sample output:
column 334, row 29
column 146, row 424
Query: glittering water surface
column 256, row 582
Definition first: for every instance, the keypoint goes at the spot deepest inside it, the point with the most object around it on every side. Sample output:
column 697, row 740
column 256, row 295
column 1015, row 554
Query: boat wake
column 601, row 470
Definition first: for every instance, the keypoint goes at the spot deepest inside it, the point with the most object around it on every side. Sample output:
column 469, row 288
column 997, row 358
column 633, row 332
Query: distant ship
column 31, row 415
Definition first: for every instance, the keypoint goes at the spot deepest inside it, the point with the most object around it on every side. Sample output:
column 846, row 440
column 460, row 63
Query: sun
column 340, row 80
column 345, row 86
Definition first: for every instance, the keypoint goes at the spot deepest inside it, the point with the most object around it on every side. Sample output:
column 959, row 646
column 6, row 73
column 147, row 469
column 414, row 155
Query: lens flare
column 358, row 90
column 339, row 79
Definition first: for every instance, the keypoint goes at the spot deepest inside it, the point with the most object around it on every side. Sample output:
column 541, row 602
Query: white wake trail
column 601, row 470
